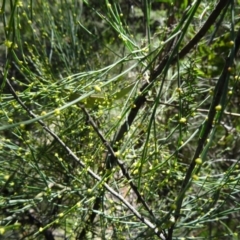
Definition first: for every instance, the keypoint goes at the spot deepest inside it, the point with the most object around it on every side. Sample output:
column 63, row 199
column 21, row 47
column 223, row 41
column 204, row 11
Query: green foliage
column 119, row 119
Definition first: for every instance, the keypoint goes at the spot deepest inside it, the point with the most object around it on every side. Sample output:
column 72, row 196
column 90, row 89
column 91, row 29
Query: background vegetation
column 119, row 119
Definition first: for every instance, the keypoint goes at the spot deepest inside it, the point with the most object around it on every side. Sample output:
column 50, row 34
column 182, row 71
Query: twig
column 120, row 163
column 89, row 171
column 225, row 112
column 219, row 90
column 211, row 19
column 139, row 101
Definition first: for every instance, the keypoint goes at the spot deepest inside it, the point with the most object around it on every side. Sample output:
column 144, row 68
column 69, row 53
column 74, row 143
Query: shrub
column 119, row 119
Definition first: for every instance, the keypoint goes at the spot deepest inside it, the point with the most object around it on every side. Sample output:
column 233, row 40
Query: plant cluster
column 119, row 119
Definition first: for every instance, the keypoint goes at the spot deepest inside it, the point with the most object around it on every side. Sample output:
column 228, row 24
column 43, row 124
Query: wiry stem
column 88, row 170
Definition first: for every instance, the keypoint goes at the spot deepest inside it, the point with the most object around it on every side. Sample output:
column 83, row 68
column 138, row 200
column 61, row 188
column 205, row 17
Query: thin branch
column 91, row 218
column 120, row 163
column 211, row 19
column 225, row 112
column 88, row 170
column 140, row 101
column 207, row 126
column 198, row 109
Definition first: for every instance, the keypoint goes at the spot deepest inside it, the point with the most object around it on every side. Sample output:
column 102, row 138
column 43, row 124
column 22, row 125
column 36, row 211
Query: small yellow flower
column 40, row 229
column 19, row 4
column 97, row 88
column 198, row 161
column 57, row 112
column 117, row 154
column 135, row 172
column 179, row 90
column 7, row 43
column 230, row 43
column 2, row 230
column 89, row 190
column 10, row 120
column 11, row 184
column 6, row 177
column 195, row 177
column 183, row 120
column 218, row 107
column 60, row 214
